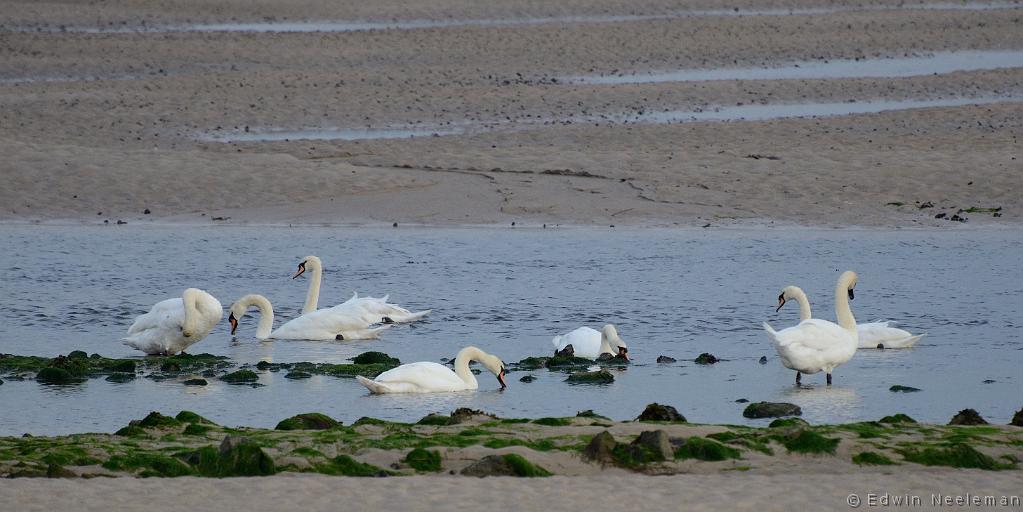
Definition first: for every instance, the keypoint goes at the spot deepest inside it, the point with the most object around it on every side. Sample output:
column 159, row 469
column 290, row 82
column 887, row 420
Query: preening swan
column 429, row 377
column 819, row 345
column 871, row 335
column 384, row 312
column 173, row 325
column 591, row 343
column 335, row 323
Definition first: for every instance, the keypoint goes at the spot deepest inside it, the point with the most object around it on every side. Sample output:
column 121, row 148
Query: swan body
column 816, row 345
column 379, row 308
column 337, row 323
column 430, row 377
column 870, row 334
column 591, row 343
column 173, row 325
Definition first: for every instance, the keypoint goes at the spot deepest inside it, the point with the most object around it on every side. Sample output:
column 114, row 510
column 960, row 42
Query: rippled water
column 938, row 63
column 671, row 292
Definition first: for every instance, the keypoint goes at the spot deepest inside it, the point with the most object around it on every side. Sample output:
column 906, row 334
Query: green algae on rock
column 308, row 421
column 897, row 418
column 423, row 460
column 702, row 448
column 872, row 459
column 240, row 377
column 597, row 377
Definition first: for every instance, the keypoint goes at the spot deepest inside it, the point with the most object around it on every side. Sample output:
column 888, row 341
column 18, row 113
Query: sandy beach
column 109, row 111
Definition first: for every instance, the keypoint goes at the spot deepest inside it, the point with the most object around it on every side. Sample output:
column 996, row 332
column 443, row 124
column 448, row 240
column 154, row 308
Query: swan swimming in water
column 337, row 323
column 591, row 343
column 173, row 325
column 430, row 377
column 381, row 310
column 872, row 335
column 816, row 345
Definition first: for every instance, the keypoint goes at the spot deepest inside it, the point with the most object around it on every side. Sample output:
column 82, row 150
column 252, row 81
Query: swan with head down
column 430, row 377
column 175, row 324
column 816, row 345
column 882, row 334
column 378, row 308
column 591, row 343
column 337, row 323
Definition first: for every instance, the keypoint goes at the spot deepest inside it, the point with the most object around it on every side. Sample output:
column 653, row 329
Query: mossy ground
column 188, row 444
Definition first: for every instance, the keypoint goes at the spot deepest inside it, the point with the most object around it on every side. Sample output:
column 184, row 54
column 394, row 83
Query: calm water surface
column 508, row 291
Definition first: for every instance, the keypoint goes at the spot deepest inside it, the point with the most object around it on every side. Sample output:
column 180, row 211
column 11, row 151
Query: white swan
column 335, row 323
column 591, row 343
column 816, row 345
column 173, row 325
column 429, row 377
column 871, row 334
column 386, row 313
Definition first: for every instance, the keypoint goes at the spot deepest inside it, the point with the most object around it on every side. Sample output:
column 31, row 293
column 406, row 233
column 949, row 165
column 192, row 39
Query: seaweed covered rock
column 896, row 418
column 434, row 419
column 527, row 378
column 597, row 377
column 372, row 357
column 665, row 359
column 898, row 388
column 706, row 358
column 237, row 456
column 658, row 412
column 240, row 377
column 771, row 410
column 504, row 465
column 120, row 377
column 157, row 420
column 77, row 354
column 297, row 375
column 567, row 362
column 656, row 442
column 464, row 414
column 191, row 417
column 701, row 448
column 789, row 423
column 423, row 460
column 967, row 417
column 308, row 421
column 195, row 382
column 132, row 430
column 568, row 351
column 601, row 448
column 63, row 370
column 1017, row 419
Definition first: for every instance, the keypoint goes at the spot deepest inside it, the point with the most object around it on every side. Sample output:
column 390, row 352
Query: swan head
column 233, row 321
column 237, row 310
column 311, row 261
column 496, row 366
column 611, row 334
column 849, row 278
column 789, row 292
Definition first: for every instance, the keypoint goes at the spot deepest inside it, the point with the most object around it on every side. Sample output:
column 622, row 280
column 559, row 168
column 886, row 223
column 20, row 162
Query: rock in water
column 568, row 351
column 1017, row 419
column 601, row 448
column 763, row 360
column 903, row 389
column 658, row 412
column 665, row 359
column 967, row 417
column 527, row 378
column 706, row 358
column 195, row 382
column 771, row 410
column 597, row 377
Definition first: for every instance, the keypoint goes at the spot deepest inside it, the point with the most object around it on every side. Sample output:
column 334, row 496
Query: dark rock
column 706, row 358
column 568, row 351
column 903, row 389
column 601, row 448
column 763, row 360
column 297, row 375
column 77, row 354
column 658, row 412
column 124, row 365
column 146, row 211
column 657, row 442
column 1017, row 419
column 742, row 401
column 771, row 410
column 120, row 377
column 527, row 378
column 434, row 419
column 132, row 431
column 240, row 376
column 237, row 456
column 308, row 421
column 967, row 417
column 563, row 362
column 665, row 359
column 788, row 423
column 191, row 417
column 1, row 382
column 195, row 382
column 597, row 377
column 989, row 381
column 491, row 465
column 263, row 365
column 56, row 376
column 58, row 471
column 157, row 420
column 170, row 366
column 375, row 358
column 464, row 414
column 897, row 418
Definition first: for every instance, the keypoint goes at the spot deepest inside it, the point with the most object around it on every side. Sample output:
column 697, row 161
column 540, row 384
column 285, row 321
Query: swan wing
column 160, row 313
column 813, row 333
column 322, row 324
column 422, row 377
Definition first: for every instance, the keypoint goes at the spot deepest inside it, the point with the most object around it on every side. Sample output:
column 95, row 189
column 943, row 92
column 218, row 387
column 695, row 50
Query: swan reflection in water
column 834, row 404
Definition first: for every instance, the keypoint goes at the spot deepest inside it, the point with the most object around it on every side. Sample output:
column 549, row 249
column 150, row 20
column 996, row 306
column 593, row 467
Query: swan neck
column 462, row 365
column 189, row 300
column 605, row 345
column 804, row 304
column 266, row 316
column 312, row 297
column 842, row 310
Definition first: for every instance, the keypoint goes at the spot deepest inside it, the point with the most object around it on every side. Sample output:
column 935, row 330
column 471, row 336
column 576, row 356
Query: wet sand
column 781, row 491
column 99, row 127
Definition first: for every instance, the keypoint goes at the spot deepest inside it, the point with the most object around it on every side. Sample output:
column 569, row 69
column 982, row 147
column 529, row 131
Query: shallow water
column 938, row 63
column 366, row 25
column 672, row 292
column 752, row 112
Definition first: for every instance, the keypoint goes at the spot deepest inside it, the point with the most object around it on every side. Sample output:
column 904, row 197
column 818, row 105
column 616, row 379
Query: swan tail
column 909, row 342
column 405, row 316
column 372, row 385
column 770, row 330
